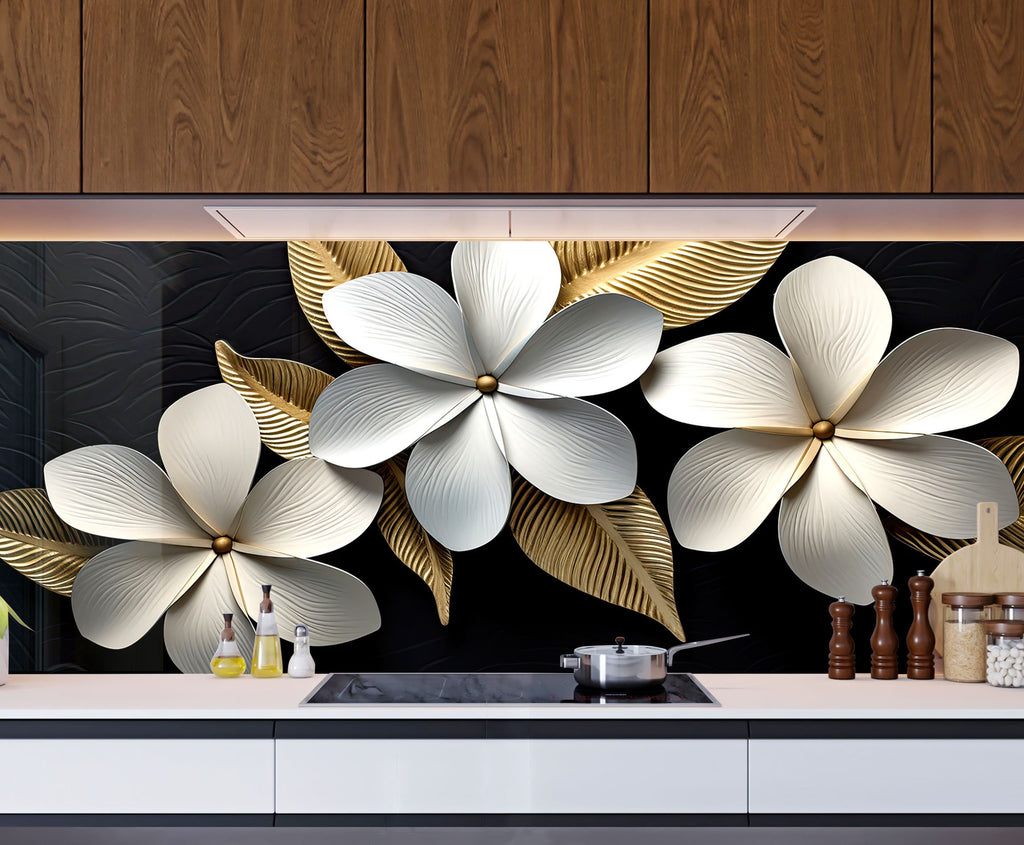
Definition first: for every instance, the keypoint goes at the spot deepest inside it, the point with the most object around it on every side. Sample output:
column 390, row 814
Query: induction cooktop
column 532, row 688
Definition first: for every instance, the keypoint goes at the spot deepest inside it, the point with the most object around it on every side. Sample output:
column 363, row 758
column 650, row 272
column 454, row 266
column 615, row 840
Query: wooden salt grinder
column 921, row 637
column 884, row 641
column 840, row 647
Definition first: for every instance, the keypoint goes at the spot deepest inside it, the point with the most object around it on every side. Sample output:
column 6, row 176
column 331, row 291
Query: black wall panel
column 96, row 339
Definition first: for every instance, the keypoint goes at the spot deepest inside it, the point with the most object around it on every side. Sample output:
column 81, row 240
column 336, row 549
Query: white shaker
column 301, row 663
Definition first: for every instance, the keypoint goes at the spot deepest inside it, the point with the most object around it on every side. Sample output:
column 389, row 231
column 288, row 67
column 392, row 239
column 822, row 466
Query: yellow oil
column 266, row 657
column 228, row 667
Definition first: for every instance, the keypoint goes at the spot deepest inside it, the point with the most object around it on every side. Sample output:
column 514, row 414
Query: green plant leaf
column 5, row 611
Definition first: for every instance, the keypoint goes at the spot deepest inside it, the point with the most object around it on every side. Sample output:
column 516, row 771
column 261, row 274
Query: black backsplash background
column 97, row 338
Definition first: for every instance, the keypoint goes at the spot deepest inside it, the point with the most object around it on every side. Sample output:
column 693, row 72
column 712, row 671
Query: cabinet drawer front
column 884, row 776
column 137, row 776
column 511, row 776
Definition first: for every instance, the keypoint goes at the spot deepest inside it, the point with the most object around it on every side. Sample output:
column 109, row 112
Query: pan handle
column 672, row 651
column 569, row 661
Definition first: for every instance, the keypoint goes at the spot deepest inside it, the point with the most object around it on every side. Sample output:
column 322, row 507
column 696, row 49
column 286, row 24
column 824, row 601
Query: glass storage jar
column 1011, row 606
column 964, row 649
column 1005, row 664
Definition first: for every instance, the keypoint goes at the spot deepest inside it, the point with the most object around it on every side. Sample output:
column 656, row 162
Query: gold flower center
column 222, row 545
column 823, row 429
column 487, row 383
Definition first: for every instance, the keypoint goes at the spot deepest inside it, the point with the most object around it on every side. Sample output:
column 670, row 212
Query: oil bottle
column 227, row 661
column 266, row 653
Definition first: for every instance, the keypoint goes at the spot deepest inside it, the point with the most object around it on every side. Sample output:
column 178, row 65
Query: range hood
column 197, row 217
column 419, row 220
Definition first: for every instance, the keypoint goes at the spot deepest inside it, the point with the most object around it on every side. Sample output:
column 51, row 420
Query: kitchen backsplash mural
column 102, row 346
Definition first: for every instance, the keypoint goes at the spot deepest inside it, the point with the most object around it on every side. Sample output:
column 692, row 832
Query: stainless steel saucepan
column 627, row 667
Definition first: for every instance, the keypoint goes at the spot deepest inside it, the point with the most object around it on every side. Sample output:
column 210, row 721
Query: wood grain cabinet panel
column 790, row 96
column 39, row 96
column 223, row 96
column 537, row 96
column 978, row 79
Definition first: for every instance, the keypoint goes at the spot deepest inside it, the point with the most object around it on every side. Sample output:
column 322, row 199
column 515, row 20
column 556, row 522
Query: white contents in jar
column 963, row 651
column 1005, row 663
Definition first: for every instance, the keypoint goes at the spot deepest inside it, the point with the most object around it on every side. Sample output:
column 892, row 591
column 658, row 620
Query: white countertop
column 741, row 696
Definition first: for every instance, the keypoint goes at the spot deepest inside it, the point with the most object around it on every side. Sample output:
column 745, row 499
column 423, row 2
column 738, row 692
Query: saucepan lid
column 620, row 650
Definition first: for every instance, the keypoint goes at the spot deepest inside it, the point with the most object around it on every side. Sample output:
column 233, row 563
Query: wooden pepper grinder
column 840, row 647
column 884, row 641
column 921, row 637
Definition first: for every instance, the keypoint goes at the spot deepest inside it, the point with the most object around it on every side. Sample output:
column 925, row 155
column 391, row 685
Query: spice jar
column 964, row 650
column 1011, row 606
column 1005, row 664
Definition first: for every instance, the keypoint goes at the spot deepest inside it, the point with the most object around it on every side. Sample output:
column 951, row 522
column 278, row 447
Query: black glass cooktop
column 495, row 688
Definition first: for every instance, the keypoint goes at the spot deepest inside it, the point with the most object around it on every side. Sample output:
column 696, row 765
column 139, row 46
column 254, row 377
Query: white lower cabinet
column 885, row 775
column 72, row 776
column 393, row 776
column 388, row 774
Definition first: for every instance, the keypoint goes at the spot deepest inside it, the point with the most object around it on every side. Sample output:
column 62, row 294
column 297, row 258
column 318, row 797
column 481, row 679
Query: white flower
column 202, row 543
column 830, row 428
column 482, row 383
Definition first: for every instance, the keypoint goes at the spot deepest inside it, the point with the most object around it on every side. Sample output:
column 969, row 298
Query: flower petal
column 938, row 380
column 835, row 321
column 123, row 591
column 831, row 535
column 571, row 449
column 192, row 625
column 505, row 289
column 308, row 507
column 404, row 319
column 369, row 414
column 336, row 606
column 458, row 482
column 726, row 381
column 725, row 486
column 933, row 483
column 117, row 492
column 210, row 445
column 596, row 345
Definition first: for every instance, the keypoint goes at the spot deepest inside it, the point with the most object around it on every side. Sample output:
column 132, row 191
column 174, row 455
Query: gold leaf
column 1010, row 450
column 619, row 552
column 409, row 540
column 39, row 544
column 281, row 394
column 319, row 266
column 687, row 281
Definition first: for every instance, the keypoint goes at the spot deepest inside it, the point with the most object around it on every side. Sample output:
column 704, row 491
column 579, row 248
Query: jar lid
column 1010, row 599
column 1005, row 627
column 968, row 599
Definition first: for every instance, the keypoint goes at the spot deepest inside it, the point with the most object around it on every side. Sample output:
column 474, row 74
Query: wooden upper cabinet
column 39, row 96
column 537, row 96
column 979, row 96
column 222, row 96
column 790, row 96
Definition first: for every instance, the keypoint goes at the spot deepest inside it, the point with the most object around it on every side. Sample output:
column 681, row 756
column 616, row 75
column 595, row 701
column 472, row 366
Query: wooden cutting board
column 985, row 566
